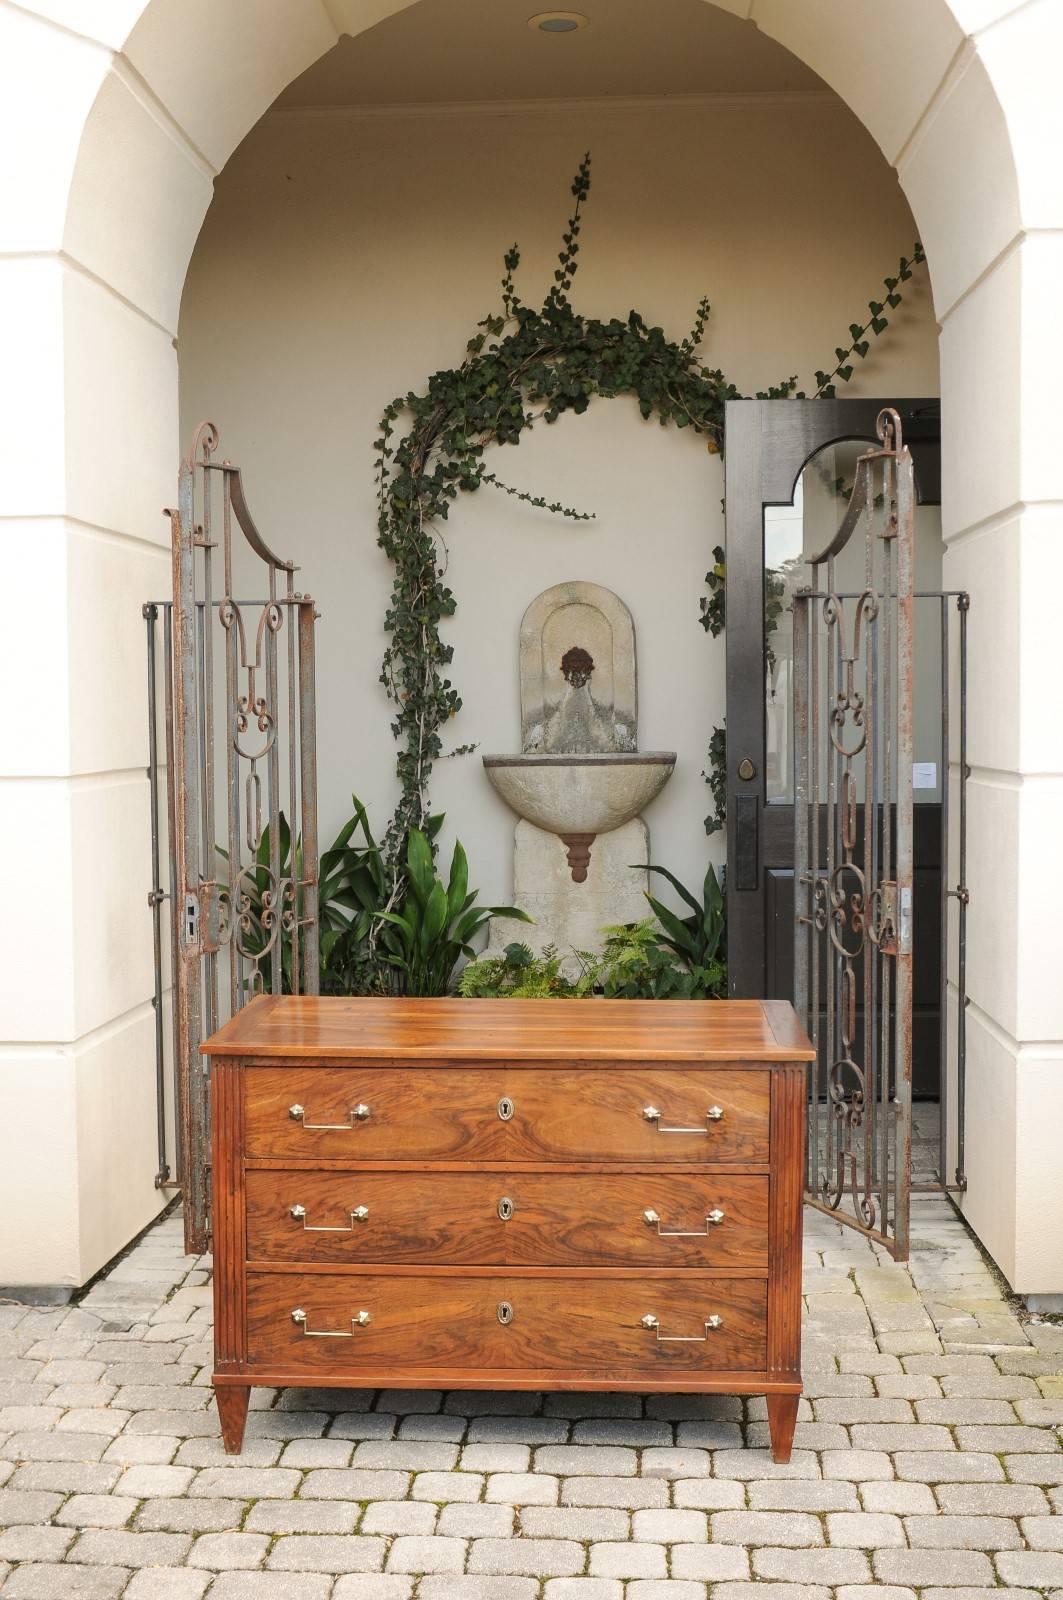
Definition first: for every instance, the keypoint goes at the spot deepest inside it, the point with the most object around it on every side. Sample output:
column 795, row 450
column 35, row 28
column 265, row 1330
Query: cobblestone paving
column 927, row 1459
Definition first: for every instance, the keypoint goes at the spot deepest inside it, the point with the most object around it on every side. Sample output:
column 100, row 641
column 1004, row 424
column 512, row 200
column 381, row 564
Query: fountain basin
column 580, row 794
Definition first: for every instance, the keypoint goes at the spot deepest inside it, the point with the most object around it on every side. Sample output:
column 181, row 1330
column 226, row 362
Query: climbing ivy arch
column 525, row 366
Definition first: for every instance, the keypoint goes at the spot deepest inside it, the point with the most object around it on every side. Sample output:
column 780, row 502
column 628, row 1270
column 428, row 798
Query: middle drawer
column 508, row 1218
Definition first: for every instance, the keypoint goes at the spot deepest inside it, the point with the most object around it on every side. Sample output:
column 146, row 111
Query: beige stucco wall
column 118, row 115
column 348, row 255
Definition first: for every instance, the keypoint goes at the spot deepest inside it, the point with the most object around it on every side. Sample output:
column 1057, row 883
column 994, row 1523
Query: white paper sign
column 925, row 775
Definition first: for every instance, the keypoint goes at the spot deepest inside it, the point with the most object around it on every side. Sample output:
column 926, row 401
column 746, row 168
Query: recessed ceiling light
column 557, row 21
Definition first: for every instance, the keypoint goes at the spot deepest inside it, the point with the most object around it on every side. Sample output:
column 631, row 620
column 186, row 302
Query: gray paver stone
column 167, row 1583
column 827, row 1494
column 584, row 1460
column 373, row 1586
column 921, row 1568
column 477, row 1588
column 1001, row 1439
column 770, row 1591
column 632, row 1494
column 248, row 1483
column 26, row 1542
column 302, row 1516
column 518, row 1430
column 494, row 1457
column 793, row 1528
column 864, row 1530
column 678, row 1462
column 992, row 1499
column 712, row 1563
column 670, row 1527
column 393, row 1517
column 96, row 1511
column 270, row 1586
column 146, row 1482
column 476, row 1521
column 1041, row 1569
column 541, row 1558
column 1043, row 1533
column 445, row 1486
column 573, row 1522
column 521, row 1488
column 1035, row 1469
column 64, row 1477
column 750, row 1464
column 222, row 1552
column 324, row 1552
column 189, row 1515
column 969, row 1533
column 628, row 1560
column 665, row 1589
column 350, row 1484
column 961, row 1466
column 812, row 1566
column 42, row 1581
column 409, row 1455
column 27, row 1506
column 583, row 1589
column 106, row 1547
column 416, row 1554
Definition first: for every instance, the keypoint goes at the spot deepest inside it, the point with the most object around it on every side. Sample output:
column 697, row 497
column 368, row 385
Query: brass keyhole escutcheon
column 506, row 1208
column 505, row 1312
column 746, row 770
column 505, row 1108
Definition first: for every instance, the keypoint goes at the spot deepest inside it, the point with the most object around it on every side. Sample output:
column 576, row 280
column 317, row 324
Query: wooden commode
column 509, row 1194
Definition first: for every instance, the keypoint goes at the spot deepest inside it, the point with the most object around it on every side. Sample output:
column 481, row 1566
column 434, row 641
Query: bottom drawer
column 508, row 1321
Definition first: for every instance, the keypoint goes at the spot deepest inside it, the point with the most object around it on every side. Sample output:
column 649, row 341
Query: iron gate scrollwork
column 853, row 883
column 244, row 914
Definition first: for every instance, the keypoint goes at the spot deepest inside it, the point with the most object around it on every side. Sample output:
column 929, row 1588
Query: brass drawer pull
column 360, row 1320
column 651, row 1114
column 712, row 1220
column 355, row 1214
column 358, row 1113
column 711, row 1323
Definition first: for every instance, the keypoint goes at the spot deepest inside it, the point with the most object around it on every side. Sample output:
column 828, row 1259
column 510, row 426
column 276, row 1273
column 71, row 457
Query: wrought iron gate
column 243, row 914
column 853, row 875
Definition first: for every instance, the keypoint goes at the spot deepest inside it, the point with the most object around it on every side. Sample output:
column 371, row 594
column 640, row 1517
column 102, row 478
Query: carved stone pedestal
column 572, row 914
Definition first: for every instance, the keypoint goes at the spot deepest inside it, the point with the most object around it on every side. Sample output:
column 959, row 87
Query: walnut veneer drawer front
column 316, row 1323
column 385, row 1113
column 639, row 1114
column 559, row 1218
column 374, row 1113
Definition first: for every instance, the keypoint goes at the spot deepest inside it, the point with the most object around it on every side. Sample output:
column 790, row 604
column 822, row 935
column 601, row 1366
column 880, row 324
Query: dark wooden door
column 769, row 444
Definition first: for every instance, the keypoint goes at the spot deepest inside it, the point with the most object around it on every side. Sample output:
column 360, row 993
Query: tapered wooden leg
column 782, row 1420
column 232, row 1409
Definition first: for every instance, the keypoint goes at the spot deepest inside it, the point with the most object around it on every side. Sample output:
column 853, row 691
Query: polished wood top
column 304, row 1027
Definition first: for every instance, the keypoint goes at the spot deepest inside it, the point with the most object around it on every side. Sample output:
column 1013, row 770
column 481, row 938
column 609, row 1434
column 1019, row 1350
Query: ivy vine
column 526, row 365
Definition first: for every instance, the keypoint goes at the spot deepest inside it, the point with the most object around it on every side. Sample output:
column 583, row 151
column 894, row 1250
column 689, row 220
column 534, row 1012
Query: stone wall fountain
column 581, row 847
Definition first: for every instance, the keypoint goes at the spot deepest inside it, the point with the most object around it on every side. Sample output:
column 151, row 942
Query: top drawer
column 507, row 1113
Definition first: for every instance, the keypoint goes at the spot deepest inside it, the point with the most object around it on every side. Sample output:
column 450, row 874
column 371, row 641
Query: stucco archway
column 118, row 113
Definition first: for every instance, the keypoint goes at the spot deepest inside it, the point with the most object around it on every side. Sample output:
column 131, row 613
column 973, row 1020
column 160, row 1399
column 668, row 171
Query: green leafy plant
column 517, row 974
column 526, row 365
column 426, row 937
column 354, row 889
column 636, row 965
column 698, row 942
column 715, row 776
